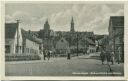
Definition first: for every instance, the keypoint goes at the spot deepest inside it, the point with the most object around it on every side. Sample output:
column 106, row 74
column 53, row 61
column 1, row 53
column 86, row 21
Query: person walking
column 108, row 54
column 68, row 54
column 48, row 54
column 44, row 53
column 118, row 55
column 53, row 53
column 112, row 57
column 102, row 55
column 108, row 57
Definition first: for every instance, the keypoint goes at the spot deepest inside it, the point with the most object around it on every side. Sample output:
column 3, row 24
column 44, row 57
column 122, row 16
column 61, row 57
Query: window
column 31, row 50
column 23, row 49
column 28, row 50
column 20, row 48
column 7, row 49
column 16, row 49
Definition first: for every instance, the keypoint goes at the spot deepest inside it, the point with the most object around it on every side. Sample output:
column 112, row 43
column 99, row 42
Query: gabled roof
column 27, row 35
column 56, row 39
column 10, row 30
column 89, row 41
column 117, row 21
column 63, row 39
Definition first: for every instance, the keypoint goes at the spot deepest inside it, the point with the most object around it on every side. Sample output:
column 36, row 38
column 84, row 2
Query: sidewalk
column 117, row 67
column 90, row 55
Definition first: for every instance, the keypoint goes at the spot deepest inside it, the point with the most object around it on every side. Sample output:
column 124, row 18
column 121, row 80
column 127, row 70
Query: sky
column 87, row 17
column 63, row 80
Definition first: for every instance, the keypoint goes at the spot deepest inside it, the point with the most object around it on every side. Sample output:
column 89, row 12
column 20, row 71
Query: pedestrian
column 102, row 54
column 108, row 56
column 112, row 57
column 118, row 55
column 44, row 53
column 48, row 54
column 68, row 54
column 53, row 53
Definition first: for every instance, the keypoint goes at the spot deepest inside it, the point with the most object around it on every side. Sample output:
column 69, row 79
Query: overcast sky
column 87, row 17
column 63, row 80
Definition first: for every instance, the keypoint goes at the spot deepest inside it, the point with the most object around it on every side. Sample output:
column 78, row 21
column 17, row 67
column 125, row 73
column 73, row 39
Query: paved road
column 77, row 66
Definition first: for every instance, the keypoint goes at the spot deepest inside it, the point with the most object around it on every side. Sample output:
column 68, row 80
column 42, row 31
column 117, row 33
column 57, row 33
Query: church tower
column 72, row 25
column 46, row 35
column 46, row 29
column 46, row 26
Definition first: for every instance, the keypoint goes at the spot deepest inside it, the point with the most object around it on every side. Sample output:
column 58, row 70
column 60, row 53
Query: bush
column 22, row 57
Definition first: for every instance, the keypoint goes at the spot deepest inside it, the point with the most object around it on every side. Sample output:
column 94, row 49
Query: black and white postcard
column 64, row 39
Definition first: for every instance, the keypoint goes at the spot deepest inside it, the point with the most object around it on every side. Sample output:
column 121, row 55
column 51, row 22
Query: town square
column 64, row 39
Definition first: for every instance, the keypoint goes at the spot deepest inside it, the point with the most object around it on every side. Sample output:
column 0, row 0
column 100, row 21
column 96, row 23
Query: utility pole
column 18, row 35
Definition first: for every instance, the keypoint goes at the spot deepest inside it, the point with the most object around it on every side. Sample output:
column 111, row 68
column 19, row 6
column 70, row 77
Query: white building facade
column 13, row 38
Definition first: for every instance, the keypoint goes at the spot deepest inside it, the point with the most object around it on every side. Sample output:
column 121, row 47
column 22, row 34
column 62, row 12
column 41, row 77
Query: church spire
column 72, row 20
column 72, row 25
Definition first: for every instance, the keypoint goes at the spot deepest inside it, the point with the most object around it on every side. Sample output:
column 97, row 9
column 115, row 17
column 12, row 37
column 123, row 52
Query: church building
column 50, row 38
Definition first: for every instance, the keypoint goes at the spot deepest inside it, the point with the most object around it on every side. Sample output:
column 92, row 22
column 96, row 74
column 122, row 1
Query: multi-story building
column 13, row 38
column 19, row 41
column 31, row 44
column 116, row 35
column 46, row 35
column 62, row 46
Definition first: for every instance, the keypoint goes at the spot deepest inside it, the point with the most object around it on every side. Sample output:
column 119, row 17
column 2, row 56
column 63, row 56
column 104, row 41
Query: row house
column 19, row 41
column 62, row 46
column 31, row 44
column 13, row 38
column 84, row 45
column 91, row 46
column 116, row 34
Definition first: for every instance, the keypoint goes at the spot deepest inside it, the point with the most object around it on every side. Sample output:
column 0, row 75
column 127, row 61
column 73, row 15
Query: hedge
column 17, row 57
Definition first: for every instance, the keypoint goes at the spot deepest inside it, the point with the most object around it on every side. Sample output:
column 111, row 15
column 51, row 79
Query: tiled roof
column 10, row 30
column 117, row 21
column 89, row 41
column 27, row 35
